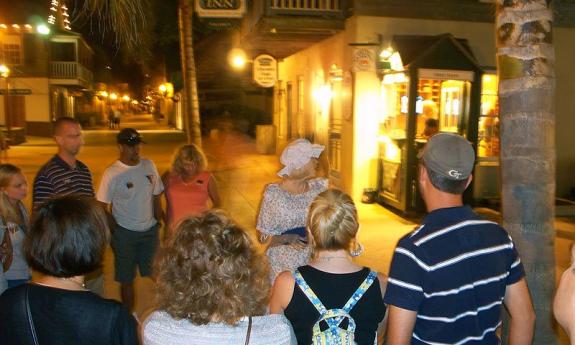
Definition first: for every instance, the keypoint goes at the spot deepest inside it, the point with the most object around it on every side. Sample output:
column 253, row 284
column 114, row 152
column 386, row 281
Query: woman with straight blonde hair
column 13, row 224
column 190, row 190
column 333, row 226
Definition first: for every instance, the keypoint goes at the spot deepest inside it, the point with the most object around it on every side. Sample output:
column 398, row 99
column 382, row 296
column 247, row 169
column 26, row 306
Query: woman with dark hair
column 66, row 241
column 212, row 288
column 300, row 295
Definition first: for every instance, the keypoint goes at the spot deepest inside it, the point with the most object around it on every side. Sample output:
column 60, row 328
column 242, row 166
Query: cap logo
column 133, row 137
column 454, row 173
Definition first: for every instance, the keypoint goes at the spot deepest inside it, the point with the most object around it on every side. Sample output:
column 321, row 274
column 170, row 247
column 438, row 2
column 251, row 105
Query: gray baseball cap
column 449, row 155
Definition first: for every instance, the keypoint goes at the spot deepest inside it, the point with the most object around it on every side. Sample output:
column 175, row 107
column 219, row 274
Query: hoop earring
column 357, row 251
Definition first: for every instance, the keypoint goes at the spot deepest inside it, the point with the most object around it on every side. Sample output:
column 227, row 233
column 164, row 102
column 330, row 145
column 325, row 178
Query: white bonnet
column 297, row 154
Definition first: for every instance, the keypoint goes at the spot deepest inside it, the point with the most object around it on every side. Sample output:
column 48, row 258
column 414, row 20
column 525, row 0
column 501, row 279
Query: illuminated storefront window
column 488, row 135
column 439, row 106
column 393, row 132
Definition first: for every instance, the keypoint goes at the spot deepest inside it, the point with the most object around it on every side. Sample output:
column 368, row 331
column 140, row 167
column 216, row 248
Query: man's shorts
column 131, row 249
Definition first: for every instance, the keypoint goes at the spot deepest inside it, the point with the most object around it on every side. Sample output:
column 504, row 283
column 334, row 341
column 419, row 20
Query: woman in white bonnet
column 283, row 211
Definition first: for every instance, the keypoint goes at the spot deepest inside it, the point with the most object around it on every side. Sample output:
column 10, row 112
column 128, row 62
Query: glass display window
column 488, row 128
column 452, row 93
column 393, row 132
column 393, row 121
column 427, row 107
column 439, row 106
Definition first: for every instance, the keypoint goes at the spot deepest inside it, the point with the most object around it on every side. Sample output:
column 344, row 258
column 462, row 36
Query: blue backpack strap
column 360, row 291
column 308, row 292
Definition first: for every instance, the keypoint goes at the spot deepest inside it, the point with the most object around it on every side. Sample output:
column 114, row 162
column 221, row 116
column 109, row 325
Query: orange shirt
column 186, row 198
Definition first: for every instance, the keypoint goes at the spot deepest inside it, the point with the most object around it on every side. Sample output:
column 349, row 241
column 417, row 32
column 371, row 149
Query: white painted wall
column 564, row 40
column 37, row 103
column 481, row 36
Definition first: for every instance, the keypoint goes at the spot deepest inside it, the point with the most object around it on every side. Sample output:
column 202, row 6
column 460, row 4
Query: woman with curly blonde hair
column 213, row 289
column 189, row 188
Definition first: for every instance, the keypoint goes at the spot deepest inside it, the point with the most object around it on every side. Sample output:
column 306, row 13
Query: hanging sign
column 265, row 70
column 17, row 91
column 220, row 8
column 363, row 59
column 445, row 74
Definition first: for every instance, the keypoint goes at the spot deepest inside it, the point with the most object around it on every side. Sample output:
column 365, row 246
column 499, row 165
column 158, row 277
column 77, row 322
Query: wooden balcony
column 306, row 7
column 70, row 73
column 283, row 27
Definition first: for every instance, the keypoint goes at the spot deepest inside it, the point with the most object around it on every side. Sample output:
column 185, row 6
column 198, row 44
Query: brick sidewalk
column 241, row 174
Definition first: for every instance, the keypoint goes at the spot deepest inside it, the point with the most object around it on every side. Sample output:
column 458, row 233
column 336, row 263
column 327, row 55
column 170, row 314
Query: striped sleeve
column 42, row 191
column 516, row 270
column 406, row 276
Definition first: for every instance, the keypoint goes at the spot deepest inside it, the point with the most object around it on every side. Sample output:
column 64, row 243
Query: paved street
column 241, row 174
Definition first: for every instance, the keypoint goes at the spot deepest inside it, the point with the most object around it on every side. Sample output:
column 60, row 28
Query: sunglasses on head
column 133, row 137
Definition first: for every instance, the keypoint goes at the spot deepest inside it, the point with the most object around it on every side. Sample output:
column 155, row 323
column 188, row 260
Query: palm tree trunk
column 191, row 104
column 525, row 59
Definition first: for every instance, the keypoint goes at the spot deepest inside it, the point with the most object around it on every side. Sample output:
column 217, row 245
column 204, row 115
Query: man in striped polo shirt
column 450, row 277
column 63, row 174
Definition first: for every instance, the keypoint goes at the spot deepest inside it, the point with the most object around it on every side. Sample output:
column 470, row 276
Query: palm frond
column 124, row 20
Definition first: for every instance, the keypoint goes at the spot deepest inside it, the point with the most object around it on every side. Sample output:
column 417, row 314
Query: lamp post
column 162, row 106
column 237, row 58
column 5, row 73
column 163, row 90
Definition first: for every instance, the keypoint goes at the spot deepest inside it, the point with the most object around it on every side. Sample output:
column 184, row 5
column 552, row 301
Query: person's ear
column 469, row 179
column 423, row 174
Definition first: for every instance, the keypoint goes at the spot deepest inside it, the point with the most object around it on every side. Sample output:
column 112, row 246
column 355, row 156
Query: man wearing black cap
column 451, row 275
column 132, row 187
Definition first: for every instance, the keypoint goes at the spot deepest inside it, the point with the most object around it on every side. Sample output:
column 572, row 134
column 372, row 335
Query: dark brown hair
column 67, row 237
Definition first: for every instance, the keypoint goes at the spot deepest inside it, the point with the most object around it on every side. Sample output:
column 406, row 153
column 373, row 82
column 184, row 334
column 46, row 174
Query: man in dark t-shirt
column 450, row 277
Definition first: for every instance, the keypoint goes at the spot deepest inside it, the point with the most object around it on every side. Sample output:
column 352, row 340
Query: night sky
column 112, row 63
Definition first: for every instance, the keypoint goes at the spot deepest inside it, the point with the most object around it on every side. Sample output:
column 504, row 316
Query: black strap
column 249, row 330
column 30, row 321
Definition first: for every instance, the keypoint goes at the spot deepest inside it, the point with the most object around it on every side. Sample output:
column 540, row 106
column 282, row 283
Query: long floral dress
column 281, row 211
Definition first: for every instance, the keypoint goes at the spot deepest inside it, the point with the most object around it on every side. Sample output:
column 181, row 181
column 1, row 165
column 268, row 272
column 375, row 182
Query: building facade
column 368, row 90
column 48, row 73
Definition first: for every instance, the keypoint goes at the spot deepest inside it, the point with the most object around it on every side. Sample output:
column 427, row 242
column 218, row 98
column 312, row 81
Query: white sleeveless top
column 161, row 329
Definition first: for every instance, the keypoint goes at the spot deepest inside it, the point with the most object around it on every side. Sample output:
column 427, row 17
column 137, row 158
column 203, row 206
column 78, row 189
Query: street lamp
column 5, row 73
column 42, row 29
column 163, row 89
column 237, row 58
